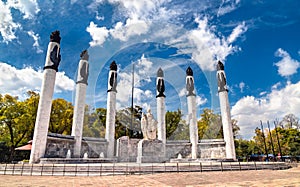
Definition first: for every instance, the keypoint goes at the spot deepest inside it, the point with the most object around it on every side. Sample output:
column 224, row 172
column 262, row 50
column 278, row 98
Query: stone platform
column 151, row 151
column 102, row 169
column 76, row 160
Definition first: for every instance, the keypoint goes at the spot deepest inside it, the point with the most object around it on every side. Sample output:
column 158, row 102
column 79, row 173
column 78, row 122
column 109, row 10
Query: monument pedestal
column 151, row 151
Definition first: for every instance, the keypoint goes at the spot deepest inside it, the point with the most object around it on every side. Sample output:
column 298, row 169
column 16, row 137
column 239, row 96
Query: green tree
column 94, row 123
column 61, row 117
column 290, row 121
column 289, row 141
column 210, row 125
column 172, row 122
column 17, row 120
column 182, row 132
column 128, row 122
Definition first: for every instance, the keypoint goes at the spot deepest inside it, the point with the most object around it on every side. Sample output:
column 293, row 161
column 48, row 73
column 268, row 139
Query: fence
column 132, row 168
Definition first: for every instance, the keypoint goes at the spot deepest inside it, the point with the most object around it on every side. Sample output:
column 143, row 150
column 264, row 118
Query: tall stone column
column 78, row 117
column 225, row 112
column 111, row 109
column 44, row 109
column 192, row 111
column 161, row 109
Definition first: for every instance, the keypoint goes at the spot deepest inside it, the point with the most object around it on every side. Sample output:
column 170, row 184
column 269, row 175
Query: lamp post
column 278, row 142
column 263, row 135
column 271, row 139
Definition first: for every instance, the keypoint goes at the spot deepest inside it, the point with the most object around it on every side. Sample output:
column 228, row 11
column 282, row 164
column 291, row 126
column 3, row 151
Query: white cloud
column 142, row 79
column 17, row 82
column 249, row 110
column 7, row 26
column 209, row 47
column 182, row 92
column 237, row 31
column 98, row 34
column 132, row 27
column 36, row 44
column 286, row 66
column 263, row 93
column 200, row 100
column 144, row 65
column 242, row 86
column 27, row 7
column 94, row 5
column 227, row 6
column 276, row 86
column 139, row 8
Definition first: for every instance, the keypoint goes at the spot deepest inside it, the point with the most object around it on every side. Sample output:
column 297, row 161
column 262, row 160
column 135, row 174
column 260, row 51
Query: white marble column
column 79, row 108
column 44, row 108
column 225, row 112
column 111, row 110
column 161, row 108
column 192, row 112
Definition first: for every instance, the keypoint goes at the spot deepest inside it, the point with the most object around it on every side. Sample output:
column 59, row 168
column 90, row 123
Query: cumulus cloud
column 141, row 77
column 209, row 47
column 17, row 82
column 28, row 8
column 98, row 34
column 36, row 44
column 286, row 66
column 249, row 110
column 132, row 27
column 138, row 8
column 7, row 26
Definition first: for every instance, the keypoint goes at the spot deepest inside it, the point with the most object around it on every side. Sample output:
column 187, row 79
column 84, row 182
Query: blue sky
column 257, row 40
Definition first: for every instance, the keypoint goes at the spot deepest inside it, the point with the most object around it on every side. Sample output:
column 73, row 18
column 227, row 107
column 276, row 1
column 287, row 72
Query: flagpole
column 132, row 92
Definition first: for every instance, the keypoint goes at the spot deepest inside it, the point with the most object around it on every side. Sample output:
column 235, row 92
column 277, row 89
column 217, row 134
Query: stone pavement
column 272, row 178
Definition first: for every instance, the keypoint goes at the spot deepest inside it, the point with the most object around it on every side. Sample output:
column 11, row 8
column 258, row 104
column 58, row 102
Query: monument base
column 76, row 160
column 151, row 151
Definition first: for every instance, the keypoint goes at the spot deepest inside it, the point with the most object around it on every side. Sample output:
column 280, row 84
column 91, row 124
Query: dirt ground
column 288, row 178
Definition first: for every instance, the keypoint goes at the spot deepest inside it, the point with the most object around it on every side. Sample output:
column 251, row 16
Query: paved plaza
column 290, row 177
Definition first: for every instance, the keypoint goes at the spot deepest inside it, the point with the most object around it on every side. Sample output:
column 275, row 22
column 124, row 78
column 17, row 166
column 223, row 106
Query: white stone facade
column 78, row 117
column 193, row 127
column 227, row 125
column 161, row 119
column 43, row 116
column 110, row 123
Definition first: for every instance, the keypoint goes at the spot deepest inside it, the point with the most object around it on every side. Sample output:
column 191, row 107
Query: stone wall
column 58, row 146
column 94, row 147
column 207, row 149
column 127, row 149
column 211, row 149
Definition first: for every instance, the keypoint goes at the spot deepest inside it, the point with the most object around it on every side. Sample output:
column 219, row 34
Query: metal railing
column 133, row 168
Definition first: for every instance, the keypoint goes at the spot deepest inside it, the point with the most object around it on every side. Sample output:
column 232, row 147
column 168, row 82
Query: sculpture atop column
column 192, row 111
column 225, row 112
column 112, row 84
column 79, row 107
column 190, row 82
column 160, row 83
column 83, row 68
column 160, row 104
column 148, row 126
column 44, row 109
column 111, row 109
